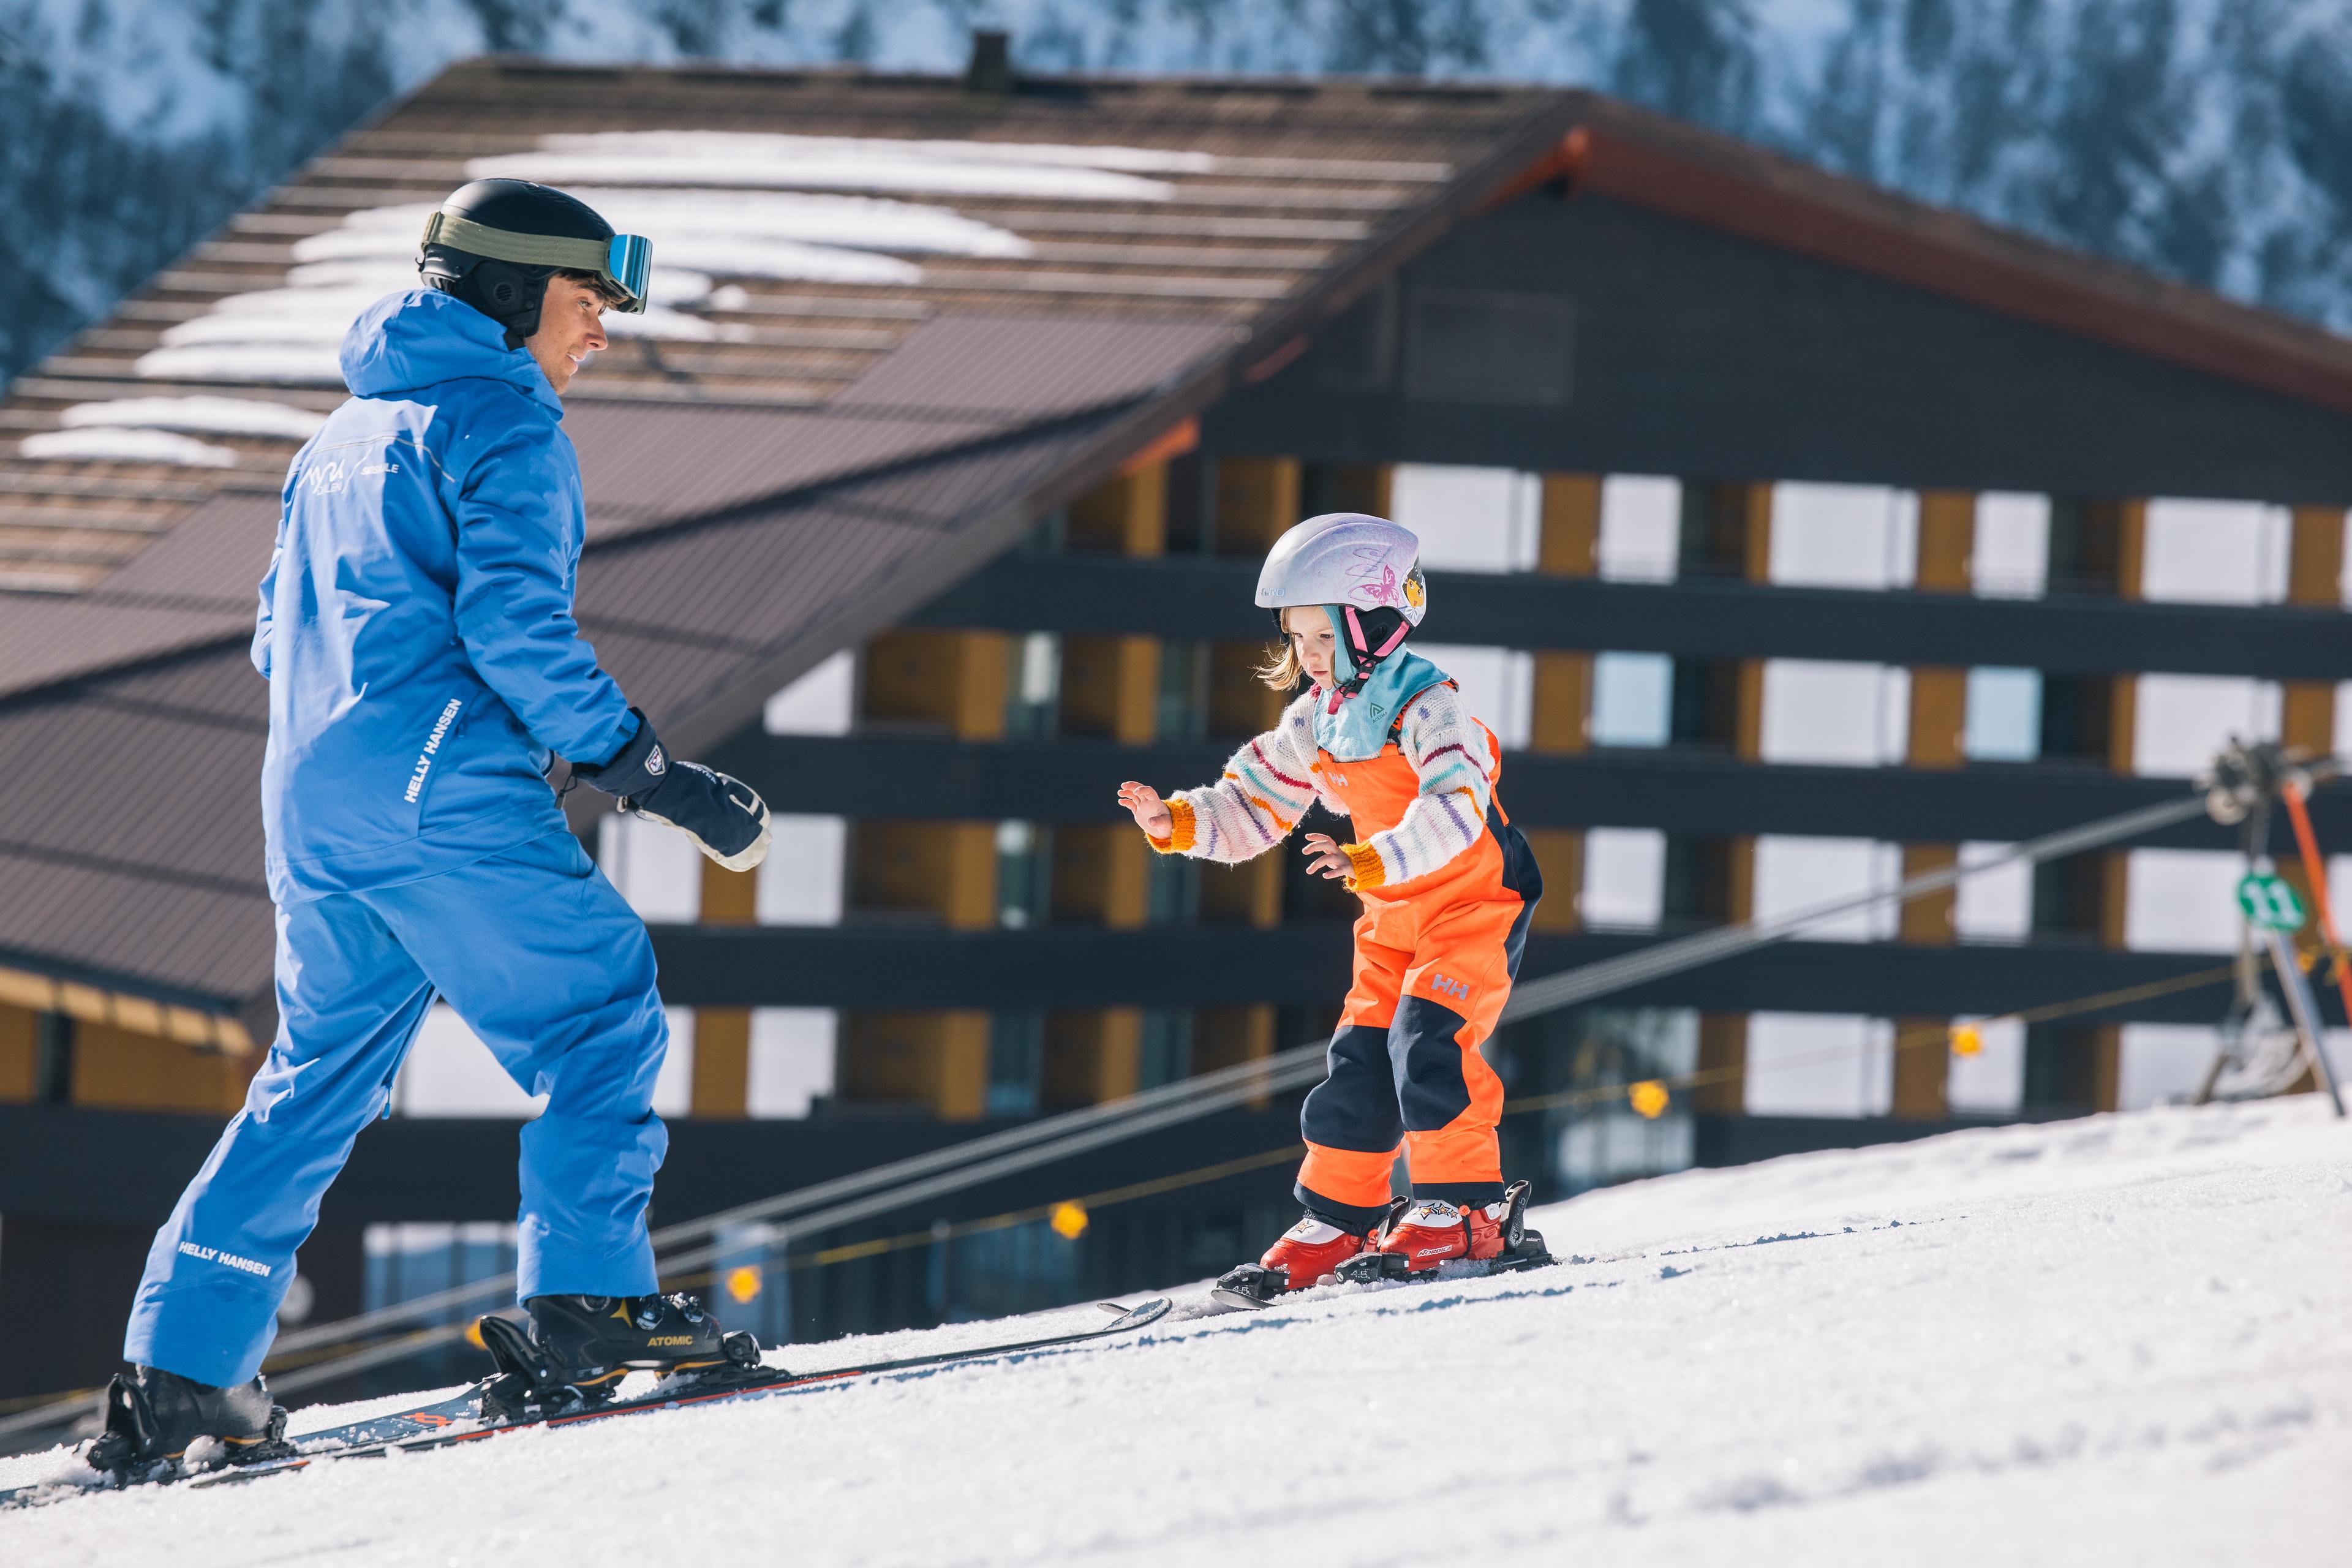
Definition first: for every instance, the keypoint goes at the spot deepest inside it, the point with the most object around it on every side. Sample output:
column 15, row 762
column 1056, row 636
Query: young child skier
column 1383, row 738
column 416, row 630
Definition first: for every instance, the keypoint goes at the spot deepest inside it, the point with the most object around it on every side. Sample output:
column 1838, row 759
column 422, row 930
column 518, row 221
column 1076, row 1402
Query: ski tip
column 1142, row 1313
column 1240, row 1300
column 1116, row 1309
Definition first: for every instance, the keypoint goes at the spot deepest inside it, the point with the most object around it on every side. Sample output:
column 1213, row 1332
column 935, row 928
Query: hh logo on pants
column 1447, row 985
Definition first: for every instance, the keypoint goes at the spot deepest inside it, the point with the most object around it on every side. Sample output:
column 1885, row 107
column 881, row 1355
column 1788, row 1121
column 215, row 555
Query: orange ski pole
column 2315, row 871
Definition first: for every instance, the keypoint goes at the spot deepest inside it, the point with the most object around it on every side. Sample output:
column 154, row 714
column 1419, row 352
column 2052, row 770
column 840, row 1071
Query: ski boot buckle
column 527, row 1385
column 1522, row 1247
column 1372, row 1264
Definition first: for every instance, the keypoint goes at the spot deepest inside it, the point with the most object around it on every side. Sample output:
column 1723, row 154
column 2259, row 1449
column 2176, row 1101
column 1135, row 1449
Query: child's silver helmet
column 1367, row 569
column 1346, row 558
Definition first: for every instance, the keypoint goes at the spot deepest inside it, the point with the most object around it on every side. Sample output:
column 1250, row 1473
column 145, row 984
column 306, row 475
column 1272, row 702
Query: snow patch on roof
column 322, row 320
column 752, row 255
column 687, row 283
column 642, row 182
column 299, row 364
column 377, row 275
column 1046, row 155
column 676, row 217
column 208, row 415
column 16, row 582
column 347, row 300
column 102, row 444
column 750, row 160
column 293, row 336
column 324, row 315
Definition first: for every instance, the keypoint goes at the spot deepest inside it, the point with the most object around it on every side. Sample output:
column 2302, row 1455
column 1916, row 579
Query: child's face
column 1309, row 630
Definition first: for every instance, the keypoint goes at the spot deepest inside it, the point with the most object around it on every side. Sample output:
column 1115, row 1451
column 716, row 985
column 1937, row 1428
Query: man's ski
column 466, row 1404
column 458, row 1419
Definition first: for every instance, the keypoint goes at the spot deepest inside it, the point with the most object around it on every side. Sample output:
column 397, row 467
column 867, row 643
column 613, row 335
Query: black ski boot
column 152, row 1416
column 581, row 1347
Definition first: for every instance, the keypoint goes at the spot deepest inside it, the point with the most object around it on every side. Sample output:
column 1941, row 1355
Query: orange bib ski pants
column 1434, row 961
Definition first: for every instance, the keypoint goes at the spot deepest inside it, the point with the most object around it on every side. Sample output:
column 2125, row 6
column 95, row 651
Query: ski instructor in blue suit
column 416, row 630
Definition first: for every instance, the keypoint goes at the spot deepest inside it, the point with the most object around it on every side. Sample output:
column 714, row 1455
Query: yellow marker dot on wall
column 1649, row 1099
column 1069, row 1221
column 1967, row 1040
column 744, row 1283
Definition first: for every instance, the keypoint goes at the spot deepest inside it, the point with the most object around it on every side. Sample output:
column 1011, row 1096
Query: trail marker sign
column 2269, row 902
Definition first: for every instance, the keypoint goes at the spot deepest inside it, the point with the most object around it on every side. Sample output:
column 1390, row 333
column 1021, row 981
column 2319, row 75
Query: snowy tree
column 2209, row 140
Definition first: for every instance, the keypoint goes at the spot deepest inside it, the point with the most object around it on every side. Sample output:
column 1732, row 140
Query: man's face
column 570, row 327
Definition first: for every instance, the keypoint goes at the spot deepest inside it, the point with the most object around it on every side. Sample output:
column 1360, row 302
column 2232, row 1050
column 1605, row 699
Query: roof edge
column 1293, row 83
column 1683, row 171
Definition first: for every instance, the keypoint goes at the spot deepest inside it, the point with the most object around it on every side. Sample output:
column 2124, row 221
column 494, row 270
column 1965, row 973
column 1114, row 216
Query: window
column 1017, row 1062
column 2004, row 716
column 1631, row 698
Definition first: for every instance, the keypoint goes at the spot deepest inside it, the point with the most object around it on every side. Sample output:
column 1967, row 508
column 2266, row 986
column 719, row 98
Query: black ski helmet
column 494, row 243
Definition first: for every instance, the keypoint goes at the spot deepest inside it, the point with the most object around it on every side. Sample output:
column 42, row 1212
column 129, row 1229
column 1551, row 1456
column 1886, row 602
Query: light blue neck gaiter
column 1354, row 729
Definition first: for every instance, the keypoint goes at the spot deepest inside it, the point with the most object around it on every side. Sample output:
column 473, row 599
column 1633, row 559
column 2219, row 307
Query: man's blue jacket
column 415, row 622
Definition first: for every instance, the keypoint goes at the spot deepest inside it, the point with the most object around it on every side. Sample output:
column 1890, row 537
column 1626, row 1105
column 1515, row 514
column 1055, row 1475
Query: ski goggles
column 625, row 262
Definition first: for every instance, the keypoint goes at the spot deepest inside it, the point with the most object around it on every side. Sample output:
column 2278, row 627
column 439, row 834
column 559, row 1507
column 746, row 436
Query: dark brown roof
column 835, row 452
column 1647, row 160
column 1266, row 188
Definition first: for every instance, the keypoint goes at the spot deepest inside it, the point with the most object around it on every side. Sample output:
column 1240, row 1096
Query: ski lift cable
column 905, row 1182
column 713, row 1256
column 1939, row 1037
column 1251, row 1074
column 1302, row 1063
column 1043, row 1141
column 1052, row 1138
column 1583, row 983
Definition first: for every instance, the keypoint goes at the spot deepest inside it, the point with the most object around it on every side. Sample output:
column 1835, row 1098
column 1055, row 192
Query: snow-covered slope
column 2126, row 1340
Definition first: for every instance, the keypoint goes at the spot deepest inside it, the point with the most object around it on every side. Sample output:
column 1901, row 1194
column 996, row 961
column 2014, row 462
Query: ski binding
column 1254, row 1287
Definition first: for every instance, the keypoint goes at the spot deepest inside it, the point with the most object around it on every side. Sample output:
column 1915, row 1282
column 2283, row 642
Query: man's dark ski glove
column 724, row 817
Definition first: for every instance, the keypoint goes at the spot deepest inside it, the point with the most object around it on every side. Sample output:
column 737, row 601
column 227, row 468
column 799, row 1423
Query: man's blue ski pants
column 548, row 965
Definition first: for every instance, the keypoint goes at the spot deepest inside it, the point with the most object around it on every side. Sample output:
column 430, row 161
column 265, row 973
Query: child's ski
column 1453, row 1271
column 458, row 1419
column 1253, row 1287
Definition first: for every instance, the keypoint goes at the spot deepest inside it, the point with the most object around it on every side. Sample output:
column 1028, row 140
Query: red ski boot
column 1308, row 1253
column 1433, row 1232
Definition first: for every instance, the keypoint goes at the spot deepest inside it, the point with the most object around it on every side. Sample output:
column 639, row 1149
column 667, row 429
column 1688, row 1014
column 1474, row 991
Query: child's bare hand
column 1151, row 813
column 1325, row 859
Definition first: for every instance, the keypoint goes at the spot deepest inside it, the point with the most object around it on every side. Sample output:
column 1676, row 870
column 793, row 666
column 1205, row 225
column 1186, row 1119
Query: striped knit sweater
column 1270, row 783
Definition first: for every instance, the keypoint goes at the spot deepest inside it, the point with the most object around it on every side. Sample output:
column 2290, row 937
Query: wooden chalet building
column 1792, row 533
